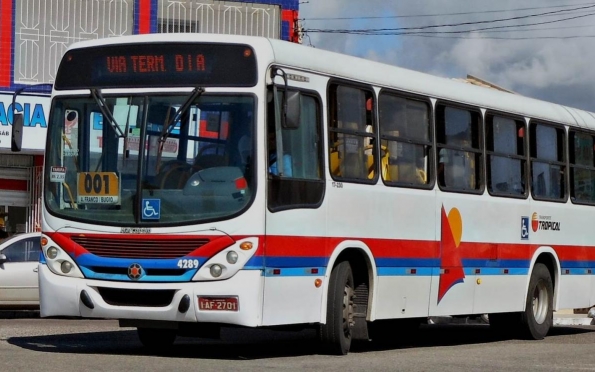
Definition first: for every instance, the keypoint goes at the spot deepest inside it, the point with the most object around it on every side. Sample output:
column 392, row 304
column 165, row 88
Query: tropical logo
column 451, row 269
column 539, row 222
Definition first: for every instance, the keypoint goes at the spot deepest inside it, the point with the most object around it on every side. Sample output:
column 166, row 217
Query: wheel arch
column 547, row 256
column 363, row 266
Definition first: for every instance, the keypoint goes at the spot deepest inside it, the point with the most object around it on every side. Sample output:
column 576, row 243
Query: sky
column 548, row 63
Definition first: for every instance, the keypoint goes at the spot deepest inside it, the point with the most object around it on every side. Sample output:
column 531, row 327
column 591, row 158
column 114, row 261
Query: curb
column 573, row 321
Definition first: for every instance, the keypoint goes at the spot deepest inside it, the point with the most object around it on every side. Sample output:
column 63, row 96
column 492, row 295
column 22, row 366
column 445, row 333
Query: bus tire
column 156, row 339
column 537, row 318
column 335, row 335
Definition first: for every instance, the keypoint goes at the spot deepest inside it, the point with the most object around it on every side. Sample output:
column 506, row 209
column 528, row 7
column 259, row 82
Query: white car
column 19, row 258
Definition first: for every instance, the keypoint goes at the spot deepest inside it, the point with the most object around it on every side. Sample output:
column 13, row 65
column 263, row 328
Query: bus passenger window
column 405, row 140
column 506, row 162
column 459, row 151
column 548, row 163
column 582, row 167
column 351, row 134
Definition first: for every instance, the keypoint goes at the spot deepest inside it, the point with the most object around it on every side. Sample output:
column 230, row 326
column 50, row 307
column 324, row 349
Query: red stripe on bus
column 13, row 185
column 303, row 246
column 6, row 42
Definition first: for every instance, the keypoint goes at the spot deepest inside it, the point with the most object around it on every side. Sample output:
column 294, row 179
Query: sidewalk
column 567, row 317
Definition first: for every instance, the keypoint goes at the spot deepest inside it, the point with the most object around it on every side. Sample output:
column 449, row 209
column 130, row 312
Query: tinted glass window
column 405, row 140
column 506, row 162
column 459, row 151
column 547, row 162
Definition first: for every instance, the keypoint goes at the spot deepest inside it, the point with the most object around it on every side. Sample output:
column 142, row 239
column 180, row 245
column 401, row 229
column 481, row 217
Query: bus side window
column 301, row 185
column 548, row 162
column 459, row 151
column 506, row 156
column 582, row 167
column 351, row 134
column 405, row 140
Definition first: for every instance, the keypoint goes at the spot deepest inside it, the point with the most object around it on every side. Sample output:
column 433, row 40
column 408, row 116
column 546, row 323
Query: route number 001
column 96, row 183
column 188, row 264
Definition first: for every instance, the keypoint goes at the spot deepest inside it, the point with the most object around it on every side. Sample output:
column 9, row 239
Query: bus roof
column 379, row 74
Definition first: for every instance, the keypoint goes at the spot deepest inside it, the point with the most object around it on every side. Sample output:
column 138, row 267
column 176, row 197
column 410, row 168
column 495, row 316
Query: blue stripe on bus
column 407, row 262
column 480, row 263
column 577, row 264
column 295, row 261
column 435, row 271
column 295, row 271
column 405, row 271
column 576, row 271
column 186, row 277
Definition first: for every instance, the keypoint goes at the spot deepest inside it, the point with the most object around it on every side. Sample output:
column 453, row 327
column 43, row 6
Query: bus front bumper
column 65, row 296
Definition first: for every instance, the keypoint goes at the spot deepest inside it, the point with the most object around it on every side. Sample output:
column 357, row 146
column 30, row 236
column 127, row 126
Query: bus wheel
column 336, row 333
column 538, row 315
column 156, row 339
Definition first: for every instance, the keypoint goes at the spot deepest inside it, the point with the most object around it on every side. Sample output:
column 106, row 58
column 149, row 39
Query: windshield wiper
column 106, row 113
column 167, row 129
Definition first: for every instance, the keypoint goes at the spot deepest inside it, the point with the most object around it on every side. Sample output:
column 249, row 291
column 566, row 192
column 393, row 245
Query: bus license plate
column 218, row 303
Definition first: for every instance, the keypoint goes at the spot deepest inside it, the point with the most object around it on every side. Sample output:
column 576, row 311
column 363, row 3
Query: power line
column 356, row 31
column 389, row 32
column 440, row 14
column 499, row 38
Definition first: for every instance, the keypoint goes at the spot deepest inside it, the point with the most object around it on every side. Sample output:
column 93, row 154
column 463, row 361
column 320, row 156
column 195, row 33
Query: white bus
column 197, row 181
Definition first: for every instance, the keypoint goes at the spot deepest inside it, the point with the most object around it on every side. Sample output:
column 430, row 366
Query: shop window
column 458, row 149
column 405, row 140
column 506, row 156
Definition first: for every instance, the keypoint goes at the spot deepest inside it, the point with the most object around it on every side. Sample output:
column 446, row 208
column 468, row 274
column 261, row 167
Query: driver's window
column 351, row 134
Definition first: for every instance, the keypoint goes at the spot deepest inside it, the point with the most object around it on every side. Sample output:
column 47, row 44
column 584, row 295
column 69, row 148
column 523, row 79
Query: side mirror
column 3, row 259
column 293, row 110
column 17, row 132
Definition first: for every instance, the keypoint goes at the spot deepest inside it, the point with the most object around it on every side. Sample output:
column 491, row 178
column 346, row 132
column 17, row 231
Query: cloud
column 557, row 70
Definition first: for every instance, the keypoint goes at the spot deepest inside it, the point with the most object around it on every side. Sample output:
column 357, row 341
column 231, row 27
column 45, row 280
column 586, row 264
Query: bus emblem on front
column 135, row 271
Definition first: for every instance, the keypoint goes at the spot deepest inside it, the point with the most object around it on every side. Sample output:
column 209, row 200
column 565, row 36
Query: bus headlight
column 232, row 257
column 52, row 253
column 216, row 270
column 66, row 267
column 228, row 261
column 59, row 262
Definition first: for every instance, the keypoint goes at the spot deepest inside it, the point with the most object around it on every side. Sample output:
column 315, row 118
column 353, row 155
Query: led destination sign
column 157, row 65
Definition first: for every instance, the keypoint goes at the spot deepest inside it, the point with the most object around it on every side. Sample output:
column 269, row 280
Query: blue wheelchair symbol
column 151, row 209
column 524, row 228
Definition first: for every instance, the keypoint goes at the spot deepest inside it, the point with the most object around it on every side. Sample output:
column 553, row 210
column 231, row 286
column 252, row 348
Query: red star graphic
column 451, row 267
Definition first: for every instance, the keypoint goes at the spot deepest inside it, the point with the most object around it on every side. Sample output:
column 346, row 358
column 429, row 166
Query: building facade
column 34, row 34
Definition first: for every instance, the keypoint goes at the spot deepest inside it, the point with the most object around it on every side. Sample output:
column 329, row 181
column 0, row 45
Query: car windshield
column 150, row 159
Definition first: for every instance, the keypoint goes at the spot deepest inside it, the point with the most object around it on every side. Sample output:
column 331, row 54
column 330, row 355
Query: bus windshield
column 154, row 160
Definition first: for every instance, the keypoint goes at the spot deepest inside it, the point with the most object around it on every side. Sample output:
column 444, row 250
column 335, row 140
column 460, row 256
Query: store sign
column 35, row 110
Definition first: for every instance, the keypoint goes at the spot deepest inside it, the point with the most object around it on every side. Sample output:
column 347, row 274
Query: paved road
column 99, row 345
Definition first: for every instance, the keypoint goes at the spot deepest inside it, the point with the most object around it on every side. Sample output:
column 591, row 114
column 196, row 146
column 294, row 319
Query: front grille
column 139, row 248
column 137, row 297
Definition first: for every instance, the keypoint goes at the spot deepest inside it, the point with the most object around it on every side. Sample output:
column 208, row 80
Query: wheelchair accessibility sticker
column 151, row 209
column 524, row 228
